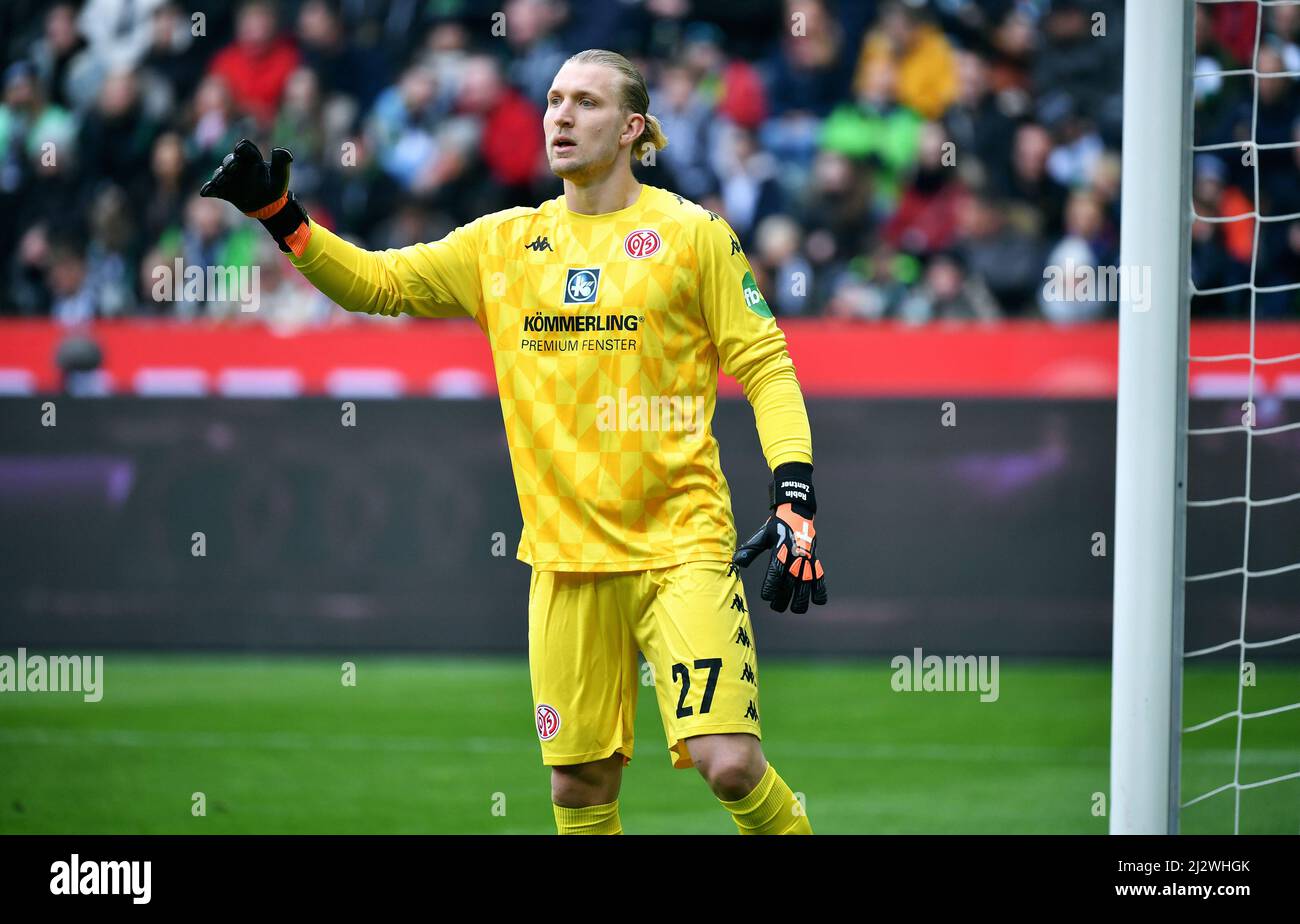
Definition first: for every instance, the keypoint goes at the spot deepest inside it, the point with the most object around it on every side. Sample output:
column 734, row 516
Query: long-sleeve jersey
column 607, row 333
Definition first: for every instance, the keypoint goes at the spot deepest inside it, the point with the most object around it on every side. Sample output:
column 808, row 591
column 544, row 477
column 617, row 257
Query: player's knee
column 732, row 773
column 593, row 783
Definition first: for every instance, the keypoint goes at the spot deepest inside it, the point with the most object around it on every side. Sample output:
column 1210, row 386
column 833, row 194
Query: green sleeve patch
column 754, row 298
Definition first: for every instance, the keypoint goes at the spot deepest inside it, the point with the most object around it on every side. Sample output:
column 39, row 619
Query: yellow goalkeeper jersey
column 607, row 333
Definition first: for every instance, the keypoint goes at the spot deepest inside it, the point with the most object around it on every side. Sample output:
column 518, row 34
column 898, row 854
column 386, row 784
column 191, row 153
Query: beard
column 581, row 167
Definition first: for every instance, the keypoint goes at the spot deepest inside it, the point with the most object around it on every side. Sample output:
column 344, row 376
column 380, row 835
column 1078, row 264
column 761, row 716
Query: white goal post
column 1150, row 469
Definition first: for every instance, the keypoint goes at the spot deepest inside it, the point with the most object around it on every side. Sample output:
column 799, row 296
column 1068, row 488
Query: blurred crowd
column 878, row 159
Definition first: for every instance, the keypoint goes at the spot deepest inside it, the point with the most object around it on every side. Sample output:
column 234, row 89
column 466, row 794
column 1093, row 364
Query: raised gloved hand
column 261, row 190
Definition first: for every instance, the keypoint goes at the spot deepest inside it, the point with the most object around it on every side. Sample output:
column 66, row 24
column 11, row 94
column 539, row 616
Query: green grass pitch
column 447, row 745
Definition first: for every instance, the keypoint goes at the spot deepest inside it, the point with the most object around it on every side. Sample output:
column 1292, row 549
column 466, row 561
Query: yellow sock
column 770, row 809
column 591, row 819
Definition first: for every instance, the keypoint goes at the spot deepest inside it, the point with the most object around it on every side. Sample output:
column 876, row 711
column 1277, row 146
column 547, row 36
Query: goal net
column 1205, row 734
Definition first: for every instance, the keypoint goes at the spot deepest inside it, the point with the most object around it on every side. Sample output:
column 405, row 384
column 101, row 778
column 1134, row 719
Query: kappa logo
column 548, row 722
column 641, row 243
column 539, row 243
column 581, row 286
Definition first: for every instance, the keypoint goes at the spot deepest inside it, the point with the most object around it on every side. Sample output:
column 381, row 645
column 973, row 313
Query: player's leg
column 697, row 634
column 747, row 785
column 596, row 782
column 582, row 662
column 732, row 764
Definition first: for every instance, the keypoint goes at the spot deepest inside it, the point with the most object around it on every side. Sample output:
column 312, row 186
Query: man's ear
column 635, row 125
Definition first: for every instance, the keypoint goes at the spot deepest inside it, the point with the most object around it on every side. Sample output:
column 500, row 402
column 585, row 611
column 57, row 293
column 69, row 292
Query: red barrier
column 450, row 358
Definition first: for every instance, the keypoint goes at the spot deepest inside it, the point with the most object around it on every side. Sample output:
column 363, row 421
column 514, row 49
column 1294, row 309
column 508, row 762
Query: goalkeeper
column 609, row 311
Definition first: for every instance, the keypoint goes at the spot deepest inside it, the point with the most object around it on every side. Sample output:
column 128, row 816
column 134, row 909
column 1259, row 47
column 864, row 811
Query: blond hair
column 633, row 96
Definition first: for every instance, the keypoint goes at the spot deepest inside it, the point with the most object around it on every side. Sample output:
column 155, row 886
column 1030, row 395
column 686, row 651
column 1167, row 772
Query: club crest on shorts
column 641, row 243
column 581, row 286
column 548, row 722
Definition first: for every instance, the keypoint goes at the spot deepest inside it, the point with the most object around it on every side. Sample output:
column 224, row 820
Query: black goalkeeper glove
column 794, row 575
column 261, row 190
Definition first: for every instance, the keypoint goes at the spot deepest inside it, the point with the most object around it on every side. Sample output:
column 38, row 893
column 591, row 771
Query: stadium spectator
column 206, row 239
column 39, row 182
column 117, row 136
column 813, row 129
column 806, row 78
column 876, row 126
column 1077, row 147
column 403, row 129
column 1284, row 25
column 1074, row 262
column 926, row 218
column 731, row 87
column 535, row 53
column 344, row 71
column 873, row 286
column 1009, row 259
column 444, row 54
column 109, row 260
column 171, row 66
column 948, row 293
column 981, row 123
column 785, row 273
column 919, row 53
column 1234, row 28
column 1077, row 70
column 74, row 299
column 160, row 193
column 118, row 31
column 32, row 129
column 1029, row 188
column 66, row 69
column 688, row 121
column 302, row 117
column 257, row 65
column 25, row 292
column 1268, row 120
column 212, row 121
column 510, row 145
column 1214, row 197
column 1013, row 46
column 1278, row 106
column 1220, row 252
column 750, row 190
column 838, row 210
column 1278, row 265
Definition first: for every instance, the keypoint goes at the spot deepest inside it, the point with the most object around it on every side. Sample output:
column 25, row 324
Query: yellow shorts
column 690, row 621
